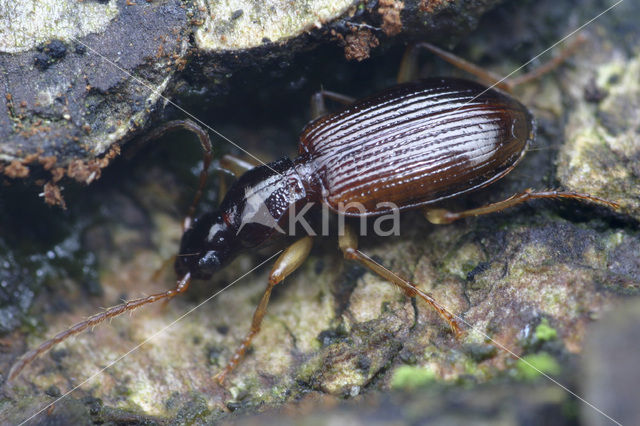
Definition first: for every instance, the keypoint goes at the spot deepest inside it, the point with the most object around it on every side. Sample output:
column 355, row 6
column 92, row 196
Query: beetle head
column 205, row 247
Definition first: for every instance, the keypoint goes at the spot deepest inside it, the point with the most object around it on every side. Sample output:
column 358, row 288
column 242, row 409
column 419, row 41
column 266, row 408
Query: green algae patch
column 409, row 377
column 545, row 332
column 532, row 366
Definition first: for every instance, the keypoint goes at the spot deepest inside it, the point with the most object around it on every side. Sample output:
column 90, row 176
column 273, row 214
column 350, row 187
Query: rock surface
column 71, row 91
column 601, row 151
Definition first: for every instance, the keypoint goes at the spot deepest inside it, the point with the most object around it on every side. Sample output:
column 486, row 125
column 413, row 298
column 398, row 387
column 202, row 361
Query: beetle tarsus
column 442, row 216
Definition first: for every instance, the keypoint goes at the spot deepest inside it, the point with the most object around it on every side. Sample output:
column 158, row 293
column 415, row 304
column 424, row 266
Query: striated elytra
column 415, row 144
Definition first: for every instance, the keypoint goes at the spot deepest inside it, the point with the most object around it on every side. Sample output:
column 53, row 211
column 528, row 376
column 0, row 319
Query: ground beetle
column 412, row 145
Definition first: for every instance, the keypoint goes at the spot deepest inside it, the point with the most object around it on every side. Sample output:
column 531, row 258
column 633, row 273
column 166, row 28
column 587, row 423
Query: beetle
column 447, row 137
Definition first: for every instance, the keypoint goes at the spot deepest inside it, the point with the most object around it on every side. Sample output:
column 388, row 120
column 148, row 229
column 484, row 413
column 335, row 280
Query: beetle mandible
column 448, row 137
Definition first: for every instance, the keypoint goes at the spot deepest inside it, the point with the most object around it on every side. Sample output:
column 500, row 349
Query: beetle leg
column 442, row 216
column 349, row 246
column 485, row 76
column 114, row 311
column 232, row 165
column 502, row 82
column 289, row 261
column 236, row 165
column 550, row 64
column 408, row 70
column 318, row 107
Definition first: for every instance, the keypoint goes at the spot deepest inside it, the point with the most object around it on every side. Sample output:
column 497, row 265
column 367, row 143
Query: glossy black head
column 206, row 247
column 248, row 217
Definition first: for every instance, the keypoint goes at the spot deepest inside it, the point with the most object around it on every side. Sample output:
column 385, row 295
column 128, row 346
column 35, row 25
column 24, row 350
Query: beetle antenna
column 207, row 156
column 114, row 311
